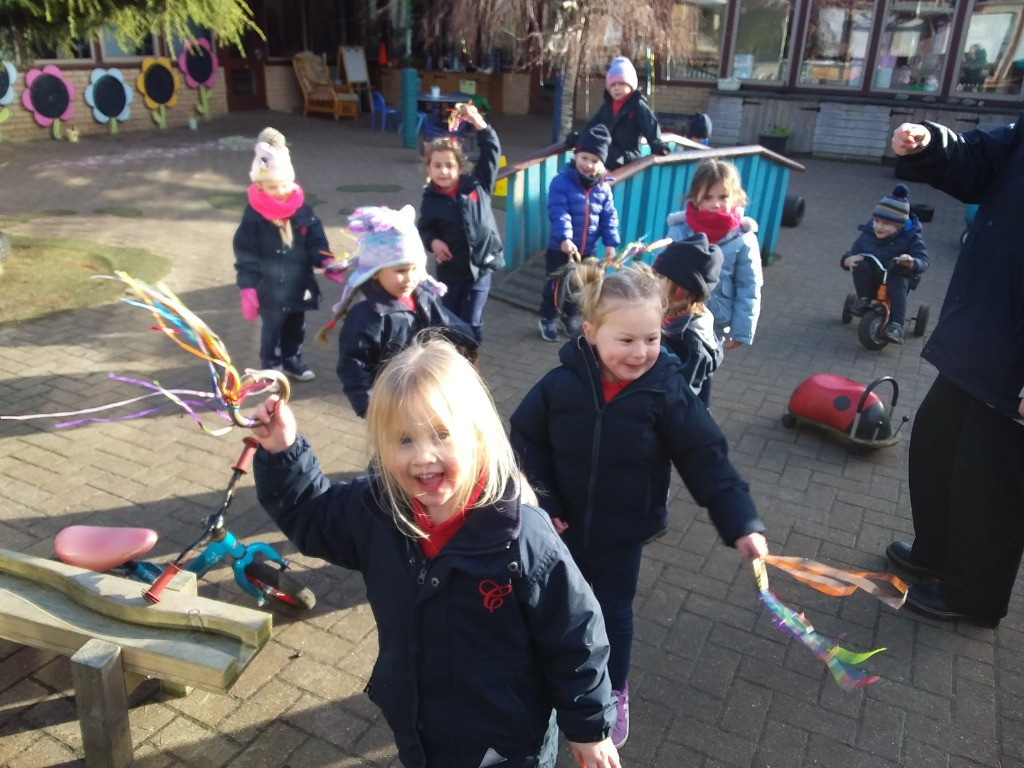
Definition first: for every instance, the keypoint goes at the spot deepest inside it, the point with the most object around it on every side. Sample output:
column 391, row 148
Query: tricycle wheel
column 870, row 329
column 274, row 583
column 788, row 420
column 921, row 321
column 847, row 306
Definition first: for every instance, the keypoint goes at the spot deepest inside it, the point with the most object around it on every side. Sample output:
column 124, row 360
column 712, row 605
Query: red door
column 244, row 76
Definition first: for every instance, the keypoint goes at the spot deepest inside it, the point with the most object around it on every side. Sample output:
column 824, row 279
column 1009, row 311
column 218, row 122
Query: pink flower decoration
column 199, row 63
column 48, row 96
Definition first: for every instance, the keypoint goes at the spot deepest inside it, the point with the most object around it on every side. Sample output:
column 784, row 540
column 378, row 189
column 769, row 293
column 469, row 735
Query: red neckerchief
column 612, row 388
column 617, row 105
column 714, row 224
column 452, row 192
column 441, row 533
column 408, row 301
column 270, row 208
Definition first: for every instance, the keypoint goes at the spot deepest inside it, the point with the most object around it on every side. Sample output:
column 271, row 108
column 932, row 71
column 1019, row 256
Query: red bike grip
column 153, row 593
column 244, row 463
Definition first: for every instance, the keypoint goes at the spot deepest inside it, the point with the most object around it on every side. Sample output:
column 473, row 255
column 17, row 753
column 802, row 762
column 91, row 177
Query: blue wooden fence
column 645, row 193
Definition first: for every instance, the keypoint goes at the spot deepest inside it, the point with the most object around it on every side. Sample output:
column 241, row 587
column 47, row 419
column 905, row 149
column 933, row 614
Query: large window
column 992, row 59
column 283, row 27
column 112, row 49
column 915, row 42
column 697, row 27
column 762, row 40
column 836, row 45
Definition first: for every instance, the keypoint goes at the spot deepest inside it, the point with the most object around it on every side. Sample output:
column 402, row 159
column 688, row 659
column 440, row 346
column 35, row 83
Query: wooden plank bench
column 115, row 638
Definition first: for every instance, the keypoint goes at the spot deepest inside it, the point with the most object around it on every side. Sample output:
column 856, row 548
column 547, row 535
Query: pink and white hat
column 272, row 162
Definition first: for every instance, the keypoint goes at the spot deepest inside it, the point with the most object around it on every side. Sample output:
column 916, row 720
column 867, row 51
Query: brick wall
column 283, row 94
column 22, row 125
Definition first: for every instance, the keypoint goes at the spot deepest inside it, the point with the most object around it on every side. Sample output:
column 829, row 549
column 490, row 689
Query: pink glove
column 250, row 304
column 333, row 271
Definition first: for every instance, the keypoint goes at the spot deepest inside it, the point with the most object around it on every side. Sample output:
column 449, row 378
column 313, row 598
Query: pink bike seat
column 100, row 548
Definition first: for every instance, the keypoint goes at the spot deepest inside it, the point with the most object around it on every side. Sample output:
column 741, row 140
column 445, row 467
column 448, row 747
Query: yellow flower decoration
column 158, row 84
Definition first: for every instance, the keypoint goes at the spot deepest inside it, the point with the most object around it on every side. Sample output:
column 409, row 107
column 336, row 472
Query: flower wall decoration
column 109, row 96
column 8, row 77
column 159, row 87
column 199, row 63
column 49, row 97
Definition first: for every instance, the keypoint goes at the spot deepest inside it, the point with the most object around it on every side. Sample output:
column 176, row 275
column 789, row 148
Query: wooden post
column 102, row 705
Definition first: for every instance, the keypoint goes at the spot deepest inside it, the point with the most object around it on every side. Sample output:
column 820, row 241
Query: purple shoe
column 620, row 731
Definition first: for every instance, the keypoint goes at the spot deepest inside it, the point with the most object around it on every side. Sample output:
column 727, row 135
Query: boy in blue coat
column 894, row 233
column 580, row 209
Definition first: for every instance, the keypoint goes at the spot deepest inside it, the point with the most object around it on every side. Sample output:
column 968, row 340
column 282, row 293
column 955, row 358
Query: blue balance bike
column 258, row 568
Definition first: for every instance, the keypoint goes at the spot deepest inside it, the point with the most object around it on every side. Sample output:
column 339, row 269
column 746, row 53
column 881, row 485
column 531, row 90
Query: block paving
column 714, row 684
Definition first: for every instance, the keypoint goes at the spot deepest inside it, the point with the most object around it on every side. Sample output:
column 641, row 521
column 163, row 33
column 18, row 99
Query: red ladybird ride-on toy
column 846, row 409
column 871, row 330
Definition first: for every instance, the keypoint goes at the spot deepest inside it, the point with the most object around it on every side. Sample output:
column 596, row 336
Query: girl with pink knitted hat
column 627, row 115
column 278, row 244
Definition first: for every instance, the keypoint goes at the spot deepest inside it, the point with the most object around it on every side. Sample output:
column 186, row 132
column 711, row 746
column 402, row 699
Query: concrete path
column 713, row 683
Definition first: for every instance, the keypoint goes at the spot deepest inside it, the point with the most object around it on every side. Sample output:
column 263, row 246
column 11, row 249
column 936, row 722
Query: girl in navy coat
column 457, row 221
column 580, row 210
column 277, row 245
column 400, row 300
column 598, row 437
column 485, row 625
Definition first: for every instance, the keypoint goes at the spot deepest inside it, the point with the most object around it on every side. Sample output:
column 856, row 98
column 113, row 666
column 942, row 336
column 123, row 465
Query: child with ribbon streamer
column 399, row 301
column 457, row 222
column 277, row 246
column 714, row 206
column 598, row 437
column 490, row 639
column 580, row 209
column 688, row 272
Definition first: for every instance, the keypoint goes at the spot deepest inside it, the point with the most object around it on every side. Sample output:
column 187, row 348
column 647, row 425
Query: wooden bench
column 115, row 639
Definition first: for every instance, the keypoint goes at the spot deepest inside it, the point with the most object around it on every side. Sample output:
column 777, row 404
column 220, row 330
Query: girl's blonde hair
column 681, row 302
column 712, row 171
column 429, row 382
column 596, row 291
column 445, row 144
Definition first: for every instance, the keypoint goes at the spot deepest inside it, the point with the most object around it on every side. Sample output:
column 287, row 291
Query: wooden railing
column 645, row 191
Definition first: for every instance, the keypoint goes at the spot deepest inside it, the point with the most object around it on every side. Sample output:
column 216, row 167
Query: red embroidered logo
column 302, row 230
column 474, row 197
column 494, row 594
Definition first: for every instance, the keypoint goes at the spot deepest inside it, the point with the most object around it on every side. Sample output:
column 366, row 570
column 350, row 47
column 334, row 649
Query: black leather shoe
column 899, row 554
column 927, row 600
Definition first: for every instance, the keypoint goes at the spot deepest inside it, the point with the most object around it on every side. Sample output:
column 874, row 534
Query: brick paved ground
column 713, row 683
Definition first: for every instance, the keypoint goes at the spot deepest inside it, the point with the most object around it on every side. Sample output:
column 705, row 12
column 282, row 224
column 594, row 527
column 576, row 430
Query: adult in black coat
column 967, row 445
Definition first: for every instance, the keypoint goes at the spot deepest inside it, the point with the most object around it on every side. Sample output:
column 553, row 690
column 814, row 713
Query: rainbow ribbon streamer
column 842, row 663
column 627, row 254
column 189, row 332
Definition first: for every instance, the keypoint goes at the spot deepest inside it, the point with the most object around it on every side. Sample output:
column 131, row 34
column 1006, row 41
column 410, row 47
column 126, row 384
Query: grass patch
column 46, row 275
column 21, row 218
column 124, row 212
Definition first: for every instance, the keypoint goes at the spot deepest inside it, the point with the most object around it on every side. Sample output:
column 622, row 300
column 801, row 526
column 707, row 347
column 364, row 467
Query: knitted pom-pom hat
column 894, row 207
column 272, row 162
column 621, row 70
column 387, row 238
column 595, row 141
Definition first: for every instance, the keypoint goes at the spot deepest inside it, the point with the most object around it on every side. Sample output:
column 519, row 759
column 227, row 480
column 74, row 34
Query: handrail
column 645, row 192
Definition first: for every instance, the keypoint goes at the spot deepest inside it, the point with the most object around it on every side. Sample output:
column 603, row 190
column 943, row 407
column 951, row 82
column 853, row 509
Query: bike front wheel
column 279, row 586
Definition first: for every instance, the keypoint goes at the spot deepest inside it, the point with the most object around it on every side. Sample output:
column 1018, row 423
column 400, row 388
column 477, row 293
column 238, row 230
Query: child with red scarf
column 277, row 245
column 714, row 206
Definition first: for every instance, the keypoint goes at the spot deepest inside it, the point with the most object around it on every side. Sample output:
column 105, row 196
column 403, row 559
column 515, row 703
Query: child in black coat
column 400, row 300
column 277, row 245
column 457, row 223
column 627, row 116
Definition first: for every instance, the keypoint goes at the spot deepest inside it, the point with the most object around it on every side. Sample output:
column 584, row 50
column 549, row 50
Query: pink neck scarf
column 273, row 209
column 714, row 224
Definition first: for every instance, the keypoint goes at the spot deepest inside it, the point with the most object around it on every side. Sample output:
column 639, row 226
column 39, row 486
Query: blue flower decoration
column 109, row 96
column 8, row 76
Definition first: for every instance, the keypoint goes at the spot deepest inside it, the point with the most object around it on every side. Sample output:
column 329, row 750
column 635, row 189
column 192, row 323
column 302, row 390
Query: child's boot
column 571, row 326
column 860, row 306
column 894, row 333
column 548, row 331
column 620, row 731
column 296, row 369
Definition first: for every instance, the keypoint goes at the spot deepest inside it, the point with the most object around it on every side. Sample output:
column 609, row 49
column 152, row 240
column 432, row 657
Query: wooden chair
column 319, row 92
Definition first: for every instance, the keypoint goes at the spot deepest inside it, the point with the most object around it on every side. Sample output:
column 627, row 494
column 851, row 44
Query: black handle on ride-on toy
column 244, row 463
column 153, row 593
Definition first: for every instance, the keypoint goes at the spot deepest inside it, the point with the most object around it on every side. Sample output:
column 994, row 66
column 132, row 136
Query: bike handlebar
column 153, row 593
column 244, row 463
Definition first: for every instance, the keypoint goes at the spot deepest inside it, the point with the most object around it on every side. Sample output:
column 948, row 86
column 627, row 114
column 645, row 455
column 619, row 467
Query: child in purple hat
column 627, row 115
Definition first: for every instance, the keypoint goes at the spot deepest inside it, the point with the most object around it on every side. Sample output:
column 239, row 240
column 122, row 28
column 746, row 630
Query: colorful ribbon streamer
column 842, row 663
column 190, row 333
